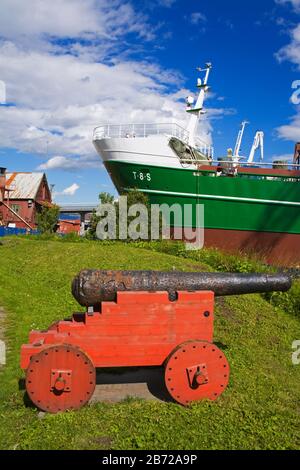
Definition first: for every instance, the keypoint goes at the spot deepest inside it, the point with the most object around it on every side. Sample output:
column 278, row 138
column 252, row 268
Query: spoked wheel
column 195, row 371
column 59, row 378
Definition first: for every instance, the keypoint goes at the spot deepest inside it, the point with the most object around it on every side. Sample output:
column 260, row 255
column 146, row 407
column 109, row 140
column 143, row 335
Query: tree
column 133, row 197
column 47, row 219
column 106, row 198
column 91, row 233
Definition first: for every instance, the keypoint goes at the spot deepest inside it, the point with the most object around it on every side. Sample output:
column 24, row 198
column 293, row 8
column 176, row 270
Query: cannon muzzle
column 91, row 287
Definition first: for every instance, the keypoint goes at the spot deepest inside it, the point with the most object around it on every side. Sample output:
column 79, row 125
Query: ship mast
column 198, row 108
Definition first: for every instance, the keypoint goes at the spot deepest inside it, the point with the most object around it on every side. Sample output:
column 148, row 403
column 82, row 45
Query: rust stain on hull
column 281, row 249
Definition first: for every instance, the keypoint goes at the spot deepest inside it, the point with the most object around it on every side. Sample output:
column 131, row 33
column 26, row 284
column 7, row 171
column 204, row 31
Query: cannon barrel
column 90, row 287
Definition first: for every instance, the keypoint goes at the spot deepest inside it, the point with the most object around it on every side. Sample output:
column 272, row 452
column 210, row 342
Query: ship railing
column 140, row 130
column 204, row 148
column 272, row 165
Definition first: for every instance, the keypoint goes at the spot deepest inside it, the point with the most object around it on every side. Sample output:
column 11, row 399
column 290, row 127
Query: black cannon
column 91, row 287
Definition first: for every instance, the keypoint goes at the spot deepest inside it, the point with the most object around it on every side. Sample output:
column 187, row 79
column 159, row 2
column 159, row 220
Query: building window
column 16, row 208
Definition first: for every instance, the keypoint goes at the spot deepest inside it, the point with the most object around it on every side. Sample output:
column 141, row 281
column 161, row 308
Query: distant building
column 22, row 196
column 297, row 154
column 69, row 223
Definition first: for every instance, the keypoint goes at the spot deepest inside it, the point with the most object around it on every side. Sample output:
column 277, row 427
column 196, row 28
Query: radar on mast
column 208, row 65
column 190, row 100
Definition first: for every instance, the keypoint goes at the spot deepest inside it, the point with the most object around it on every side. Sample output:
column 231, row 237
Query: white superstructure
column 149, row 143
column 146, row 144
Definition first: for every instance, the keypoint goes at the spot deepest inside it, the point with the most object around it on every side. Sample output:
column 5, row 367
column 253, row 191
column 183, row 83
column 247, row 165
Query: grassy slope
column 260, row 409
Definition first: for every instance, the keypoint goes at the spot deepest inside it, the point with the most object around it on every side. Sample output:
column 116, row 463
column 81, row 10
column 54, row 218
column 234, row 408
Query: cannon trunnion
column 131, row 327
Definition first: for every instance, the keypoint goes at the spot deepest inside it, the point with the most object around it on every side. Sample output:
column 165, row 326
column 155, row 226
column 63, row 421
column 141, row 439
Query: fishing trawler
column 249, row 206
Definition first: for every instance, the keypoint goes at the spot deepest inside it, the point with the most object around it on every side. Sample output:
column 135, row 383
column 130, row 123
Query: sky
column 67, row 66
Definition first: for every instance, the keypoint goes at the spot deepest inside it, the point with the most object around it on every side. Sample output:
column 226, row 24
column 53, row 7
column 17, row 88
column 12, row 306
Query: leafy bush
column 133, row 197
column 47, row 219
column 287, row 301
column 72, row 237
column 215, row 258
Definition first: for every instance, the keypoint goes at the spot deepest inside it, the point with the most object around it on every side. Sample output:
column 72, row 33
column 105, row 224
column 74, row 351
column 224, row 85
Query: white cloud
column 20, row 20
column 197, row 17
column 54, row 163
column 60, row 99
column 55, row 18
column 166, row 3
column 286, row 156
column 45, row 80
column 70, row 163
column 291, row 53
column 63, row 79
column 291, row 131
column 2, row 92
column 69, row 191
column 295, row 3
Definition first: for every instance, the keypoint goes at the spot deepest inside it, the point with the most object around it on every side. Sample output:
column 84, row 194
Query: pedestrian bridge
column 81, row 209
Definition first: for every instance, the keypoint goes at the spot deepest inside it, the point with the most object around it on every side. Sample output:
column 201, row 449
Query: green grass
column 259, row 410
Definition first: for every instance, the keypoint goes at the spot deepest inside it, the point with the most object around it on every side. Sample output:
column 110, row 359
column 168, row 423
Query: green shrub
column 47, row 219
column 287, row 301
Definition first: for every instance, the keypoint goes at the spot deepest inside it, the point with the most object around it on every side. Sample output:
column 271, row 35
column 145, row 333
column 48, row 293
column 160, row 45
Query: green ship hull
column 247, row 202
column 257, row 211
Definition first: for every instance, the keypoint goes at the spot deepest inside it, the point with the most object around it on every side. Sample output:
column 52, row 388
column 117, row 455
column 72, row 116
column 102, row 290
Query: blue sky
column 70, row 65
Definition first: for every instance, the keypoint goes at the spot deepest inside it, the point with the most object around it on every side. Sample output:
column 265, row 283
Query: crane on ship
column 258, row 142
column 239, row 139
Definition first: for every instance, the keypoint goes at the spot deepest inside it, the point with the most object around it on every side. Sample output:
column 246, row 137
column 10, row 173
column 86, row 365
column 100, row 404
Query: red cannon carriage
column 137, row 319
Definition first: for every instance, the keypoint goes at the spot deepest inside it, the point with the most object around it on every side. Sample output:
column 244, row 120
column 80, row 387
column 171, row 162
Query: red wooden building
column 69, row 225
column 22, row 196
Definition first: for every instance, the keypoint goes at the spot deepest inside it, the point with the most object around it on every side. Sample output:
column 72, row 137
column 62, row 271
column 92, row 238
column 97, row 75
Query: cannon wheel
column 196, row 370
column 60, row 377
